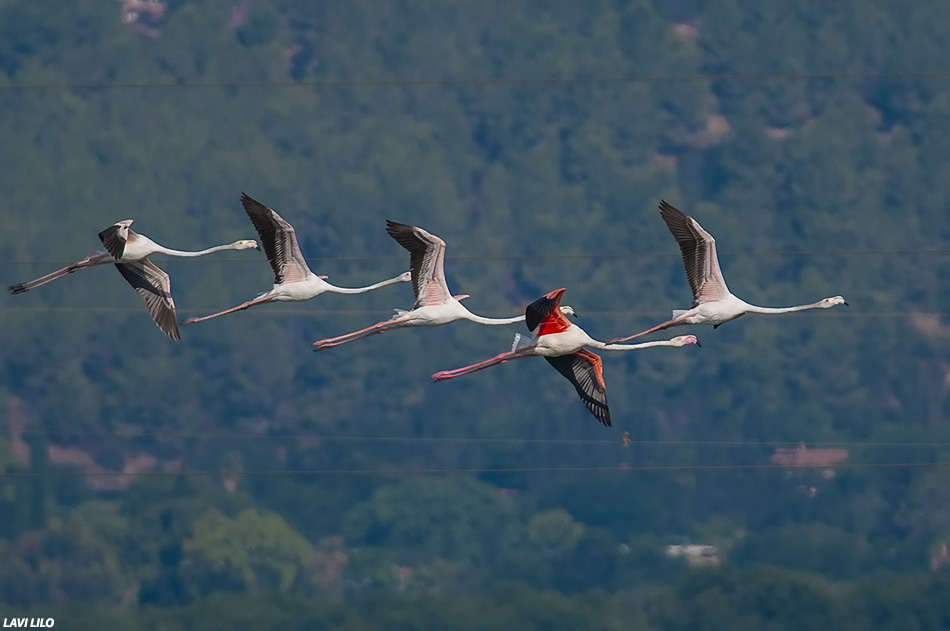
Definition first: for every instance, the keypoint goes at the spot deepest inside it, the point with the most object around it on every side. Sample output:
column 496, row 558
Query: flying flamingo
column 713, row 303
column 434, row 304
column 129, row 251
column 293, row 280
column 562, row 343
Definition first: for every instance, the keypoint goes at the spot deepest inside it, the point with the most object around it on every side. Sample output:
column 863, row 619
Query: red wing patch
column 546, row 312
column 596, row 364
column 553, row 324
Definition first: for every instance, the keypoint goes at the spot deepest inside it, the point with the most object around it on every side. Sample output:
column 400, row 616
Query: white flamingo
column 562, row 343
column 129, row 251
column 293, row 280
column 435, row 305
column 713, row 303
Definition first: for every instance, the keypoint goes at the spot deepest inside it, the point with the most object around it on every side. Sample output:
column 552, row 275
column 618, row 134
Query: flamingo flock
column 553, row 336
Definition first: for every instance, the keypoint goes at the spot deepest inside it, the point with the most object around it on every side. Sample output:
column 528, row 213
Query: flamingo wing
column 115, row 236
column 700, row 260
column 426, row 262
column 546, row 313
column 154, row 286
column 279, row 241
column 585, row 370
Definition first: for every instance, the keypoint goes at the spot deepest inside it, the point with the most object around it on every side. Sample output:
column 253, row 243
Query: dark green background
column 810, row 138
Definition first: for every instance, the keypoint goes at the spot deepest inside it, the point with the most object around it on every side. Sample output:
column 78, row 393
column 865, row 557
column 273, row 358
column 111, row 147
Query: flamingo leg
column 376, row 329
column 658, row 327
column 89, row 261
column 240, row 307
column 522, row 353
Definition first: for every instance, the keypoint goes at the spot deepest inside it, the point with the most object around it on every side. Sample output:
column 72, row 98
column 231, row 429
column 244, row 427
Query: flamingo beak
column 846, row 303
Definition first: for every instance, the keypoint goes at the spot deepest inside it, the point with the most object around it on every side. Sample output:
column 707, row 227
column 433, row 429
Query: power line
column 291, row 311
column 469, row 470
column 476, row 439
column 420, row 83
column 522, row 257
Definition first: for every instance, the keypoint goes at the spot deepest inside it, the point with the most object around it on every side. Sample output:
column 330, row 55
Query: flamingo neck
column 361, row 290
column 492, row 321
column 773, row 310
column 632, row 347
column 160, row 249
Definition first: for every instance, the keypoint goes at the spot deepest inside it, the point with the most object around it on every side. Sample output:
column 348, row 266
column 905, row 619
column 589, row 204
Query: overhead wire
column 501, row 81
column 300, row 311
column 566, row 256
column 476, row 439
column 623, row 468
column 462, row 258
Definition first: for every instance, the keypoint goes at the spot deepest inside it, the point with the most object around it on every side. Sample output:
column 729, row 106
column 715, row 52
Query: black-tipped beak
column 846, row 303
column 575, row 315
column 257, row 246
column 698, row 343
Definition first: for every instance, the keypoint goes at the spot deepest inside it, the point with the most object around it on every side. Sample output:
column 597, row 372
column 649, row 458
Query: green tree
column 554, row 531
column 253, row 551
column 760, row 598
column 427, row 518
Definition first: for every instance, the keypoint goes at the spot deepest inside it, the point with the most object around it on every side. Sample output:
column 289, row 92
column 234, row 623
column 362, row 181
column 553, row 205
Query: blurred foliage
column 456, row 117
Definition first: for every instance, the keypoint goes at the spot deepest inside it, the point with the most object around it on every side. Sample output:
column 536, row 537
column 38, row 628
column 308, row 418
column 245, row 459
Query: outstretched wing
column 584, row 369
column 426, row 262
column 115, row 237
column 154, row 286
column 546, row 311
column 278, row 240
column 700, row 260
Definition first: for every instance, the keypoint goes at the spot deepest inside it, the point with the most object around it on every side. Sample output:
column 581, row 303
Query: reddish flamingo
column 562, row 343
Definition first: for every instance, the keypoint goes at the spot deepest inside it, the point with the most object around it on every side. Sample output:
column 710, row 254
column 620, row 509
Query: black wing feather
column 692, row 246
column 405, row 235
column 268, row 231
column 542, row 308
column 113, row 243
column 580, row 372
column 153, row 285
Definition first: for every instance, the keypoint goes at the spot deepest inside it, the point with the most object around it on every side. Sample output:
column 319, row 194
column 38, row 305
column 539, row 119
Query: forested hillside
column 237, row 473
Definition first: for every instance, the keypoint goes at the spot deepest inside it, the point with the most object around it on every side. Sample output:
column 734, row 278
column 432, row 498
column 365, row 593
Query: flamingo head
column 568, row 310
column 683, row 340
column 828, row 303
column 405, row 277
column 246, row 244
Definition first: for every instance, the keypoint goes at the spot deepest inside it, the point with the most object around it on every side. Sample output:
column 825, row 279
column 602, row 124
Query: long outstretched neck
column 631, row 347
column 99, row 258
column 189, row 254
column 773, row 310
column 241, row 307
column 483, row 320
column 521, row 353
column 359, row 290
column 658, row 327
